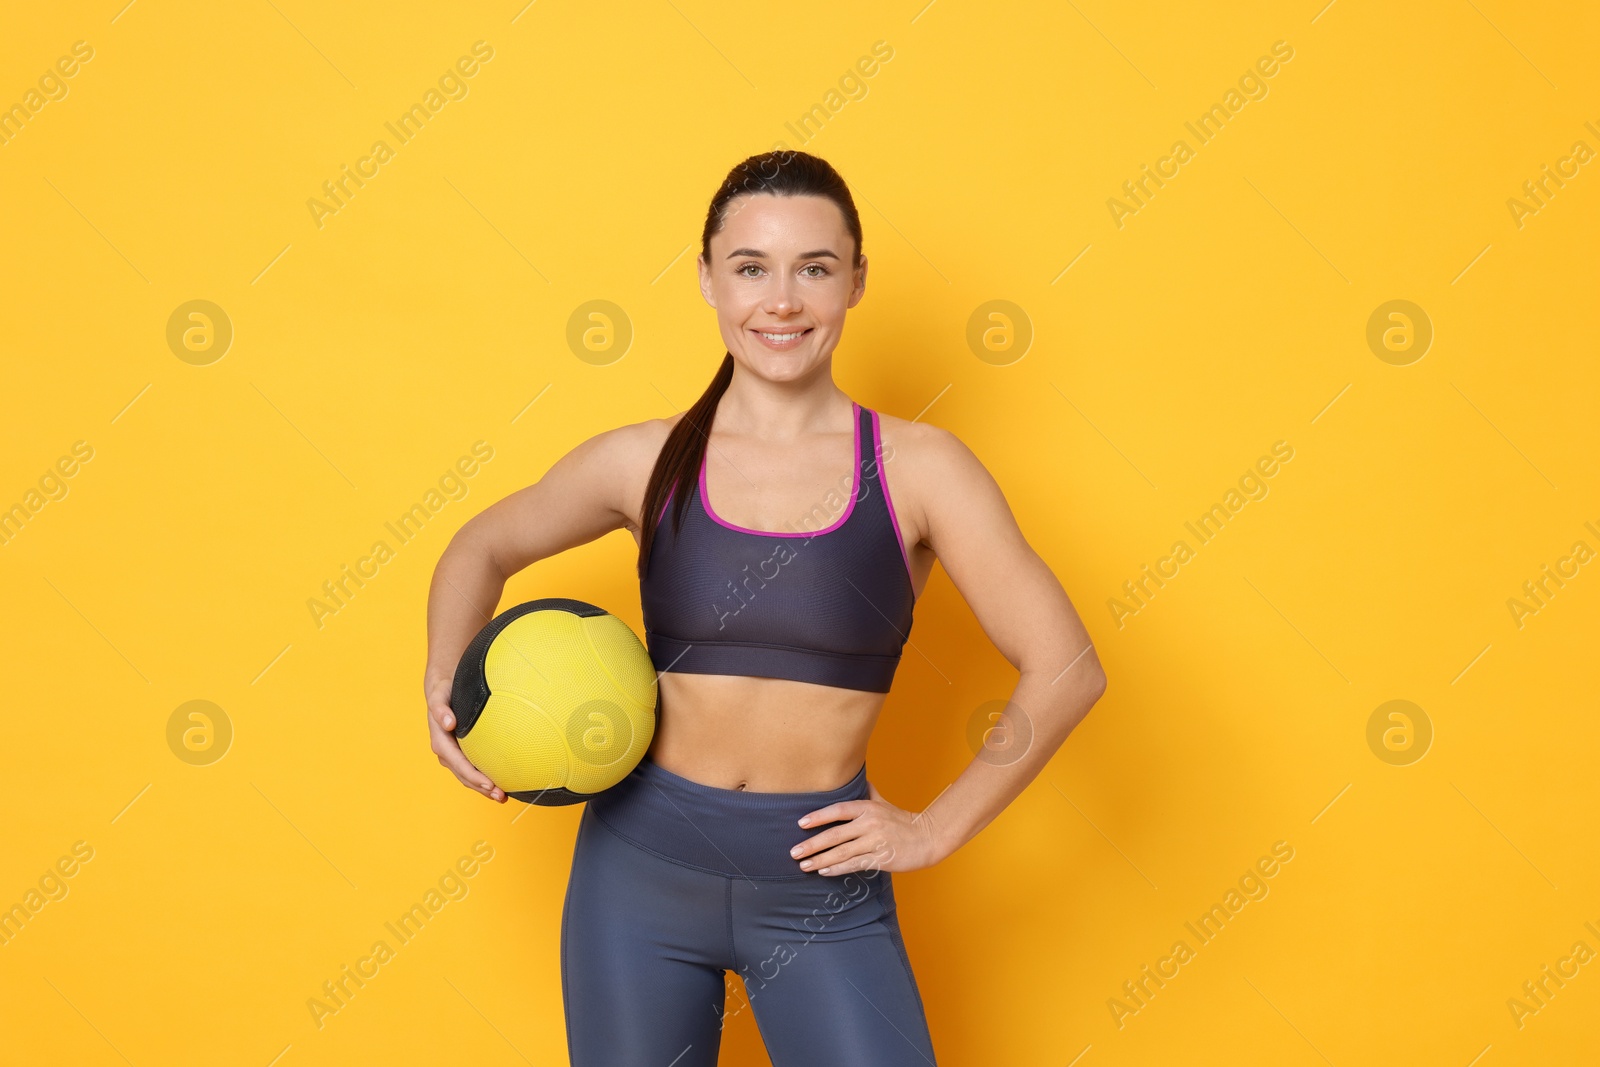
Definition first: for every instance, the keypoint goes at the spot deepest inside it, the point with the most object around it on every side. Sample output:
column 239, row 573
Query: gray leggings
column 674, row 882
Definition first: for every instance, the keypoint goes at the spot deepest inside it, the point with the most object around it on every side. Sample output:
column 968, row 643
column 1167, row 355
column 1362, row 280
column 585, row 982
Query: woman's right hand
column 441, row 721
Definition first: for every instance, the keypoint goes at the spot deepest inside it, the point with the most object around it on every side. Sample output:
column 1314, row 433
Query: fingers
column 861, row 843
column 450, row 755
column 439, row 707
column 471, row 777
column 441, row 724
column 824, row 852
column 844, row 809
column 855, row 855
column 834, row 835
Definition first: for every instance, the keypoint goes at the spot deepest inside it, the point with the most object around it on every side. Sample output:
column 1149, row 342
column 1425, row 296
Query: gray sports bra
column 830, row 606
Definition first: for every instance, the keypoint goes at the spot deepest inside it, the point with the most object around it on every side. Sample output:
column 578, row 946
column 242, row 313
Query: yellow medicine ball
column 555, row 700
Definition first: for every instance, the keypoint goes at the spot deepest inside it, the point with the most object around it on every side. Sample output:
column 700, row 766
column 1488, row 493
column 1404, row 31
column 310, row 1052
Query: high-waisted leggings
column 674, row 883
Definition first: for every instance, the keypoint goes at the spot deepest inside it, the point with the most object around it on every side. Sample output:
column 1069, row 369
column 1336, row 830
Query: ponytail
column 678, row 466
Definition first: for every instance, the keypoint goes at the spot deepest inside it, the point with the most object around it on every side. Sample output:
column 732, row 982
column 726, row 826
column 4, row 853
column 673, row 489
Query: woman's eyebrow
column 758, row 254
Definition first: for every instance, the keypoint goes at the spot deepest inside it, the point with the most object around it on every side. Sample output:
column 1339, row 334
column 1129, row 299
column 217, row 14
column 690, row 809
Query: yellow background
column 1229, row 313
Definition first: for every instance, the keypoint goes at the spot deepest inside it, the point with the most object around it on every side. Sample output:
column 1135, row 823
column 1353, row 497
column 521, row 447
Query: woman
column 778, row 573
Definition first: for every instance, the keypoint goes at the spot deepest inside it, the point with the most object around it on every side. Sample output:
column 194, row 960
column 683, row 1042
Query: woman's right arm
column 583, row 496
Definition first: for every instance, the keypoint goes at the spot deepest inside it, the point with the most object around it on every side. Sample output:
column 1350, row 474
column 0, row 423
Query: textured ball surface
column 555, row 700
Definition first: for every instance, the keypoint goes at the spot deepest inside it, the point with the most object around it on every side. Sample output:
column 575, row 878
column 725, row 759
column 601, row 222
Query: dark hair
column 785, row 173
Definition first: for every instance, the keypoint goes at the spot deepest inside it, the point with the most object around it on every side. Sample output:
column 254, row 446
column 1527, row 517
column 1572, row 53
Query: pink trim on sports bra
column 883, row 483
column 855, row 490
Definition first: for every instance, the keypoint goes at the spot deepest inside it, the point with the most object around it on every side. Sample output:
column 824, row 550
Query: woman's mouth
column 781, row 339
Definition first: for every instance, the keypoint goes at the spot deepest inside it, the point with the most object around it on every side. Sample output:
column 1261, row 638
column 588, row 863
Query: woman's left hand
column 875, row 836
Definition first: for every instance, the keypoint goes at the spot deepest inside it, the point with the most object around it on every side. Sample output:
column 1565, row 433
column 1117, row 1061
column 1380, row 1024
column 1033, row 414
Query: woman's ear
column 705, row 280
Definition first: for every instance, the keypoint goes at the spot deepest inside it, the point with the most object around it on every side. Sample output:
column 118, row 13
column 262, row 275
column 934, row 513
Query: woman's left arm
column 1025, row 612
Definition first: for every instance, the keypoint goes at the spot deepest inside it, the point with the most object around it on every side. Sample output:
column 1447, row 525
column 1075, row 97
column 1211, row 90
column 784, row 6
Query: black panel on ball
column 469, row 692
column 552, row 797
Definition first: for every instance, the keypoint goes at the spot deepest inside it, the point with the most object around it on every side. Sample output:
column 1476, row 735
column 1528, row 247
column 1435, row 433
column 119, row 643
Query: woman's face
column 781, row 265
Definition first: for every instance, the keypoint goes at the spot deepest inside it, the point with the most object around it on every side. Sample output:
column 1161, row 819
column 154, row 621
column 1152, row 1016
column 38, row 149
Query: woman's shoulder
column 922, row 463
column 921, row 446
column 624, row 456
column 635, row 442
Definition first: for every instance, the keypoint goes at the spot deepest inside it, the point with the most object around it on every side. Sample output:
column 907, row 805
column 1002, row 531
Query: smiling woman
column 749, row 838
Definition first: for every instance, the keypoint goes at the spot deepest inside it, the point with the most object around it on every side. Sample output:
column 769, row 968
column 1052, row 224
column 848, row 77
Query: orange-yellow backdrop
column 1154, row 341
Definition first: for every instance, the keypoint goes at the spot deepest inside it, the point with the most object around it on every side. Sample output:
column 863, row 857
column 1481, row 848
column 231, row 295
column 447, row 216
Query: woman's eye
column 822, row 271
